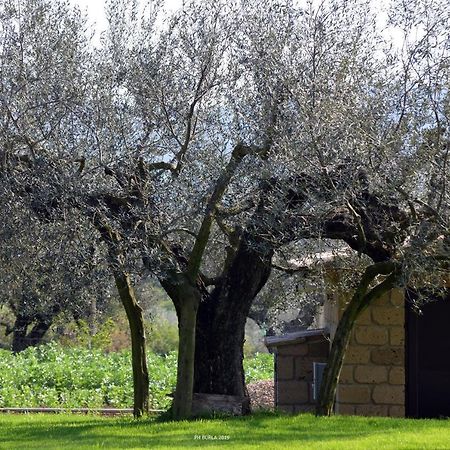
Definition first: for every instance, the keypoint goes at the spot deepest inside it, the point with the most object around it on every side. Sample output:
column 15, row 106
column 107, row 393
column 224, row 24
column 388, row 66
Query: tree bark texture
column 221, row 321
column 138, row 350
column 186, row 299
column 19, row 341
column 187, row 316
column 134, row 314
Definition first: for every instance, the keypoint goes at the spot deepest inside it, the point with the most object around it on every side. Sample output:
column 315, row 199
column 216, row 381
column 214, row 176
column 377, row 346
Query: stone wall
column 372, row 380
column 294, row 371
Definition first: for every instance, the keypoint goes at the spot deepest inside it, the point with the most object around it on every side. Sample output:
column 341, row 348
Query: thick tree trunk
column 359, row 302
column 37, row 333
column 138, row 350
column 221, row 321
column 219, row 348
column 187, row 316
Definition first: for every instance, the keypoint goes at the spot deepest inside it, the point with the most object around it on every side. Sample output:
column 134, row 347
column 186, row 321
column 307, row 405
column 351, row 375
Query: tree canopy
column 202, row 146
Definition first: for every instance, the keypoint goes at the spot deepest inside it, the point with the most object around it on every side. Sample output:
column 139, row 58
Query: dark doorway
column 428, row 359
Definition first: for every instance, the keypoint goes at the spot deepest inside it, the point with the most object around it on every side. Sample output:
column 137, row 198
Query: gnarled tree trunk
column 19, row 337
column 22, row 339
column 221, row 321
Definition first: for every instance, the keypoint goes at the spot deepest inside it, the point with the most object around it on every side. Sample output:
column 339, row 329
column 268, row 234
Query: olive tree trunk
column 187, row 316
column 219, row 352
column 221, row 321
column 19, row 337
column 22, row 338
column 361, row 299
column 186, row 299
column 138, row 350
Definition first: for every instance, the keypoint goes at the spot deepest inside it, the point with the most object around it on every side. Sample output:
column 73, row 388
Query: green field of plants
column 55, row 376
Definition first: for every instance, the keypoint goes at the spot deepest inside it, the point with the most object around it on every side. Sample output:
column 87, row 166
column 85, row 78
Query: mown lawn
column 268, row 431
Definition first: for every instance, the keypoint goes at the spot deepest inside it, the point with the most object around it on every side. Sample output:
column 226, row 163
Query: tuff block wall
column 294, row 372
column 372, row 381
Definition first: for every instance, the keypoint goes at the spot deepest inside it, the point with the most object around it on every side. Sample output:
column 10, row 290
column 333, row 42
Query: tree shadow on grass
column 269, row 431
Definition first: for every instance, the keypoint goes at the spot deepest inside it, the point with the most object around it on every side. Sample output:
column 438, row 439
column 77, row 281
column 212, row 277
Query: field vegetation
column 53, row 375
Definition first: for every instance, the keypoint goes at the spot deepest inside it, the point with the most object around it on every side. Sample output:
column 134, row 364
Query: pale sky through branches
column 96, row 14
column 96, row 10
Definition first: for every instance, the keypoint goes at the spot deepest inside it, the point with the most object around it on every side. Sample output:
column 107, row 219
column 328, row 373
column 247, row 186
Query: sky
column 96, row 13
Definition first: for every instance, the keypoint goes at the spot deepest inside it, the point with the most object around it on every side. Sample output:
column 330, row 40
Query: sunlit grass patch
column 268, row 431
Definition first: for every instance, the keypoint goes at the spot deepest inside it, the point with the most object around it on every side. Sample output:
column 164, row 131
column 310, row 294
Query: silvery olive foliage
column 51, row 260
column 342, row 129
column 49, row 271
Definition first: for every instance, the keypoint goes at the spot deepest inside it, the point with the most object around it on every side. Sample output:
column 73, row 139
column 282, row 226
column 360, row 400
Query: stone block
column 286, row 408
column 319, row 349
column 298, row 349
column 303, row 369
column 352, row 393
column 285, row 367
column 397, row 375
column 397, row 335
column 388, row 315
column 345, row 410
column 304, row 408
column 372, row 410
column 365, row 317
column 346, row 376
column 397, row 297
column 371, row 335
column 371, row 374
column 293, row 392
column 388, row 395
column 357, row 354
column 397, row 411
column 384, row 300
column 388, row 356
column 209, row 403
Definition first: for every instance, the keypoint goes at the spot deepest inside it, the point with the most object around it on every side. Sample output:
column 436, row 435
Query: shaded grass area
column 269, row 431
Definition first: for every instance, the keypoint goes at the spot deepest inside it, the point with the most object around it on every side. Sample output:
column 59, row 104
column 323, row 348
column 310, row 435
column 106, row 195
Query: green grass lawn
column 268, row 431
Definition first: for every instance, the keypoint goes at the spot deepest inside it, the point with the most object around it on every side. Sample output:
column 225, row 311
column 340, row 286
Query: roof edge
column 295, row 337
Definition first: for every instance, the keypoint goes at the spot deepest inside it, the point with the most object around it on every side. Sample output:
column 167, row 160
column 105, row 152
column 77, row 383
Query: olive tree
column 48, row 270
column 273, row 124
column 369, row 162
column 51, row 125
column 202, row 144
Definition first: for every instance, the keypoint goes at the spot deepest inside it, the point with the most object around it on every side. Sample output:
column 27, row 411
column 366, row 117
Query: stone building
column 396, row 364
